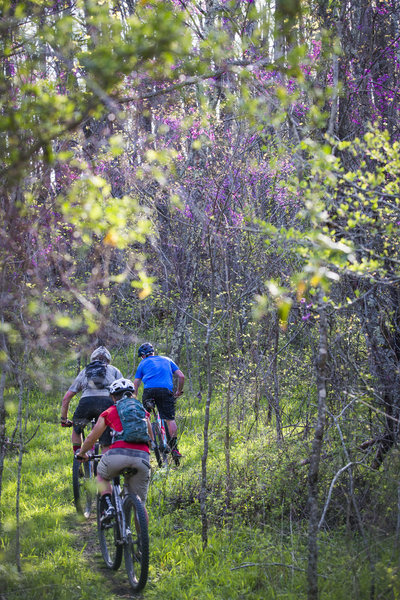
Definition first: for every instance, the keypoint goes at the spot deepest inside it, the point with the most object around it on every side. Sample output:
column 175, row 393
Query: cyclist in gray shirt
column 94, row 382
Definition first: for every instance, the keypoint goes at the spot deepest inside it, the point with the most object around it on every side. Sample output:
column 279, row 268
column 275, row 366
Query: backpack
column 96, row 374
column 133, row 419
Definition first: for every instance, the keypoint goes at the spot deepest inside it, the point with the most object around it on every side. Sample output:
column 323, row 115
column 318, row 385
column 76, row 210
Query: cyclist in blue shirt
column 157, row 373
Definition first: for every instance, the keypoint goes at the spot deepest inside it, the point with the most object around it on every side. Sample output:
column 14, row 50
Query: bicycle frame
column 162, row 428
column 162, row 446
column 118, row 496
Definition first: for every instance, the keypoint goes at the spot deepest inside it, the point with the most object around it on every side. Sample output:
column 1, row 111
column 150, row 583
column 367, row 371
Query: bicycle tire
column 161, row 456
column 82, row 485
column 136, row 548
column 109, row 536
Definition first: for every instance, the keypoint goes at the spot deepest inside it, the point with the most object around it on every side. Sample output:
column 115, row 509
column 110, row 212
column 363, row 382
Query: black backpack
column 96, row 374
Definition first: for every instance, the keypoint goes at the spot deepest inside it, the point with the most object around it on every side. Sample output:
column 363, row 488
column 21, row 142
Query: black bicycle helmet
column 121, row 385
column 145, row 349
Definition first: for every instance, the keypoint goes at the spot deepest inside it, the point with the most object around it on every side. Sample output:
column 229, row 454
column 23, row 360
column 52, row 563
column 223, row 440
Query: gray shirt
column 82, row 384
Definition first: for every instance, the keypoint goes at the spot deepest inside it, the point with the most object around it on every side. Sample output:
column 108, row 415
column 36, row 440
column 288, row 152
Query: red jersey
column 112, row 420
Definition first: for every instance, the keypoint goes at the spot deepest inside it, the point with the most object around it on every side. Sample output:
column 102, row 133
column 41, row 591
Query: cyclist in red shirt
column 121, row 455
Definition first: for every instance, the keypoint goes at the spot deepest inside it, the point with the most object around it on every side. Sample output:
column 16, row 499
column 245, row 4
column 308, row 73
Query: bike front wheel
column 83, row 486
column 109, row 538
column 136, row 547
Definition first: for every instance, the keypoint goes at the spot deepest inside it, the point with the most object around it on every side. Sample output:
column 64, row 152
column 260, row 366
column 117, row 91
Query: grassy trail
column 60, row 556
column 115, row 582
column 257, row 546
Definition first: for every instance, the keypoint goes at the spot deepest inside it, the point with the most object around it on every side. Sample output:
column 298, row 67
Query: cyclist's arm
column 181, row 381
column 93, row 436
column 65, row 404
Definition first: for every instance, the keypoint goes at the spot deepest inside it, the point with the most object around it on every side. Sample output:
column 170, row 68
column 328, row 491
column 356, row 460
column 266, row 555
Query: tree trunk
column 2, row 428
column 313, row 473
column 228, row 400
column 276, row 403
column 203, row 490
column 19, row 477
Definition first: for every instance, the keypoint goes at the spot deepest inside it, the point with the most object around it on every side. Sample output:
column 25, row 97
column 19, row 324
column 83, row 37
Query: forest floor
column 115, row 581
column 257, row 535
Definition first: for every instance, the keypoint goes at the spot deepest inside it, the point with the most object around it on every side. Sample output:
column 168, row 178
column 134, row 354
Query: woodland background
column 220, row 178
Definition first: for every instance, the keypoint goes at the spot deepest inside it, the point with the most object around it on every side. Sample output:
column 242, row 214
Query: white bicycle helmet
column 121, row 385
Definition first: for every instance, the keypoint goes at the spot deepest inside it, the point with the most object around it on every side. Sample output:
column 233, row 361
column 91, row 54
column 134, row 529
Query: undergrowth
column 257, row 543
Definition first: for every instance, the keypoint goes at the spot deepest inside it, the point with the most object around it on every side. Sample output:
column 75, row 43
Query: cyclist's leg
column 154, row 396
column 103, row 485
column 112, row 463
column 76, row 440
column 166, row 407
column 79, row 421
column 120, row 459
column 104, row 488
column 172, row 428
column 92, row 408
column 173, row 441
column 109, row 537
column 105, row 439
column 138, row 484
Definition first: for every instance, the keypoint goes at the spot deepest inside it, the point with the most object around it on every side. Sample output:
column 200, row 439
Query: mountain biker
column 156, row 373
column 121, row 455
column 95, row 396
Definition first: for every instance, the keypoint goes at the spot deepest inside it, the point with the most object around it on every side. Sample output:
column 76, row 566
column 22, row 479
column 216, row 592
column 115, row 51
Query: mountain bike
column 162, row 439
column 126, row 533
column 83, row 478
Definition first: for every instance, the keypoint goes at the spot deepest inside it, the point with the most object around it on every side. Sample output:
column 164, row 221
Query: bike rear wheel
column 109, row 538
column 83, row 486
column 136, row 548
column 159, row 450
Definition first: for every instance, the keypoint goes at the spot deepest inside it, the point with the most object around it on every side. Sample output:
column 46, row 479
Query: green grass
column 257, row 546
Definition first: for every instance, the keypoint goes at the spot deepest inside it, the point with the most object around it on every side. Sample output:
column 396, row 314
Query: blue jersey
column 156, row 371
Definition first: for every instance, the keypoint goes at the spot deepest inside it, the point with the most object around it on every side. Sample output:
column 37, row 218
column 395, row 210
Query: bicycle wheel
column 136, row 548
column 83, row 486
column 161, row 456
column 109, row 538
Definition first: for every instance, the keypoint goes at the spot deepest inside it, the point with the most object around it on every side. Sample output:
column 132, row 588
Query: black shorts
column 164, row 399
column 90, row 408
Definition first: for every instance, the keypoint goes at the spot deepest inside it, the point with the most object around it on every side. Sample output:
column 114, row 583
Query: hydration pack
column 96, row 374
column 133, row 420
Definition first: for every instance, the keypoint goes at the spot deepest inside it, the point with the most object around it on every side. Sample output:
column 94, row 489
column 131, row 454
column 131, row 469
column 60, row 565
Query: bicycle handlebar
column 89, row 457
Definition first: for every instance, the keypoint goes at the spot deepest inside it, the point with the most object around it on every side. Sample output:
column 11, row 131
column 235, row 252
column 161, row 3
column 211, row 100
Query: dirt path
column 115, row 581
